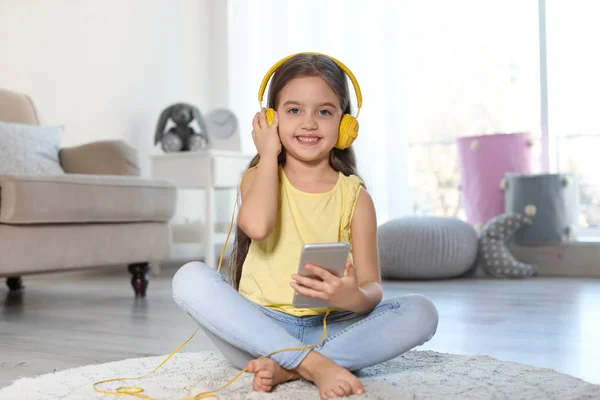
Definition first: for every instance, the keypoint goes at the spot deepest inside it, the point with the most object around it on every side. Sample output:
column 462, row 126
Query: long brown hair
column 344, row 161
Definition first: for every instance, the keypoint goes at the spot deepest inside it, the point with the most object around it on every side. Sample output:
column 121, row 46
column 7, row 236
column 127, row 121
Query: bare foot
column 331, row 379
column 268, row 374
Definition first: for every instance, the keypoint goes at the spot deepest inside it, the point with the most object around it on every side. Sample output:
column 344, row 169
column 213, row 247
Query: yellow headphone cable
column 137, row 391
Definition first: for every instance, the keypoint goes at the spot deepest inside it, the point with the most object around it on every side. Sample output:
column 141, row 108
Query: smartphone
column 330, row 256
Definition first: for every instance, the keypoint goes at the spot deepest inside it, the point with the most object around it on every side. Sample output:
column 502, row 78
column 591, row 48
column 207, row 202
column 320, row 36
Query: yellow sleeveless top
column 302, row 218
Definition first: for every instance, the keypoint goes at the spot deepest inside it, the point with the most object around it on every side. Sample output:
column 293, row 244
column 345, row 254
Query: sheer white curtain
column 362, row 34
column 430, row 71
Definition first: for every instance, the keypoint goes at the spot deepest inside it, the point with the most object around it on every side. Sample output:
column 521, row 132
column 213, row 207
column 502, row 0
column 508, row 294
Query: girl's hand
column 265, row 137
column 341, row 292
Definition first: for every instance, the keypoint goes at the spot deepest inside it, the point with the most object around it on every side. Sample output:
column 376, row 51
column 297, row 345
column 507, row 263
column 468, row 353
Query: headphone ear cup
column 348, row 132
column 270, row 116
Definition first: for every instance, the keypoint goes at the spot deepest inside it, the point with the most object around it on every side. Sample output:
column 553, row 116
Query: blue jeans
column 243, row 330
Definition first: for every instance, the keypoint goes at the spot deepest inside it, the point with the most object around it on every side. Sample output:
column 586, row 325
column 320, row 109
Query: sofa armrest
column 109, row 157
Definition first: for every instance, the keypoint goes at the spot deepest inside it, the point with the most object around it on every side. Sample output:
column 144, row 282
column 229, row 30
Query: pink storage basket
column 483, row 161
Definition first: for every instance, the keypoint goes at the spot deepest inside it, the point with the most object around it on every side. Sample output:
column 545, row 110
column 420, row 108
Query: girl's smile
column 308, row 140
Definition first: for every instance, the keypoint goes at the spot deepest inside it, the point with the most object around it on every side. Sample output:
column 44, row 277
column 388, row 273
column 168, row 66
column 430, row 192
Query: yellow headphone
column 348, row 130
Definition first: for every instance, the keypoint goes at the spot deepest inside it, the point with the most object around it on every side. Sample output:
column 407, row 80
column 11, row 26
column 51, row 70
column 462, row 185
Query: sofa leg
column 139, row 278
column 15, row 283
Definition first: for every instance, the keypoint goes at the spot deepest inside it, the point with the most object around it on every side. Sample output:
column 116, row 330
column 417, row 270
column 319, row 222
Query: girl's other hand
column 265, row 136
column 341, row 292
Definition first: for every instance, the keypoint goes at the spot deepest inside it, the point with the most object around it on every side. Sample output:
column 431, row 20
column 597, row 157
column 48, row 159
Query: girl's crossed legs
column 244, row 331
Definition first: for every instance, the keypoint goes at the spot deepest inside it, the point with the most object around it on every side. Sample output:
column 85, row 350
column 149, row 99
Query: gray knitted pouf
column 426, row 248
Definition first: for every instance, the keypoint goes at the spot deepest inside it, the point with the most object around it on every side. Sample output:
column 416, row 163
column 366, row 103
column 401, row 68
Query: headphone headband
column 263, row 85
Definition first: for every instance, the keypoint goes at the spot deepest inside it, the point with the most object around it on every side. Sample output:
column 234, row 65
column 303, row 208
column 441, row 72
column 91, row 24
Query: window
column 488, row 81
column 474, row 72
column 573, row 85
column 433, row 74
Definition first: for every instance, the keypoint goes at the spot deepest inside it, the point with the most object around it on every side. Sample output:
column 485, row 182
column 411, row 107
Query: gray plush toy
column 495, row 256
column 181, row 137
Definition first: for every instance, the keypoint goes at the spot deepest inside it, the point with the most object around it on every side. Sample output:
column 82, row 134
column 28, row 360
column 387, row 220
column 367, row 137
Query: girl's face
column 309, row 114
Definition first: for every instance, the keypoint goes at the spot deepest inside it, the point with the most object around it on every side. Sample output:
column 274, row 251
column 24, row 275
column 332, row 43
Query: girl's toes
column 339, row 391
column 346, row 388
column 265, row 374
column 357, row 388
column 251, row 367
column 266, row 381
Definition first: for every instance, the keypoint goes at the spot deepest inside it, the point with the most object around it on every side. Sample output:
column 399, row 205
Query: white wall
column 218, row 54
column 106, row 69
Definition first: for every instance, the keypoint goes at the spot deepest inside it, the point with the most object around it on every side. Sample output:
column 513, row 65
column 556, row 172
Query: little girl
column 303, row 188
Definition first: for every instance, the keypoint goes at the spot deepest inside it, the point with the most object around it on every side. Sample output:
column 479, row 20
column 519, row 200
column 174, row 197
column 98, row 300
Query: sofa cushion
column 78, row 198
column 104, row 157
column 30, row 149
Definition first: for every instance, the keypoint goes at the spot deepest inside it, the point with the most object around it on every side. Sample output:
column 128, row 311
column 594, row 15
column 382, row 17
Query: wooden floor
column 73, row 319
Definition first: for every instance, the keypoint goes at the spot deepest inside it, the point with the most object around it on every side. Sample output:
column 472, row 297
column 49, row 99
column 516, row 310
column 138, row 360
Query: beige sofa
column 99, row 213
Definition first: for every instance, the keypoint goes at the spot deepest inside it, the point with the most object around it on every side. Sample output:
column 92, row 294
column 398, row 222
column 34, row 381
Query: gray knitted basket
column 426, row 248
column 550, row 200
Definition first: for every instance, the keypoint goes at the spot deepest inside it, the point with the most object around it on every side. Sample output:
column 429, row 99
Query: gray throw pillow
column 495, row 254
column 30, row 149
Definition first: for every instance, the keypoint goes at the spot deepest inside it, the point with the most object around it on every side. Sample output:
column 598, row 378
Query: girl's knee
column 426, row 313
column 423, row 314
column 191, row 277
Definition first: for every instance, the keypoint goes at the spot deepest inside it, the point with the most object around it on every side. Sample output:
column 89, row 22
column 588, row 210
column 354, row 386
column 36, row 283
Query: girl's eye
column 324, row 112
column 293, row 111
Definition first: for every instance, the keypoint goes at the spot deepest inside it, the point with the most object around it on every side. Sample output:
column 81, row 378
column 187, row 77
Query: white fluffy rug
column 415, row 375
